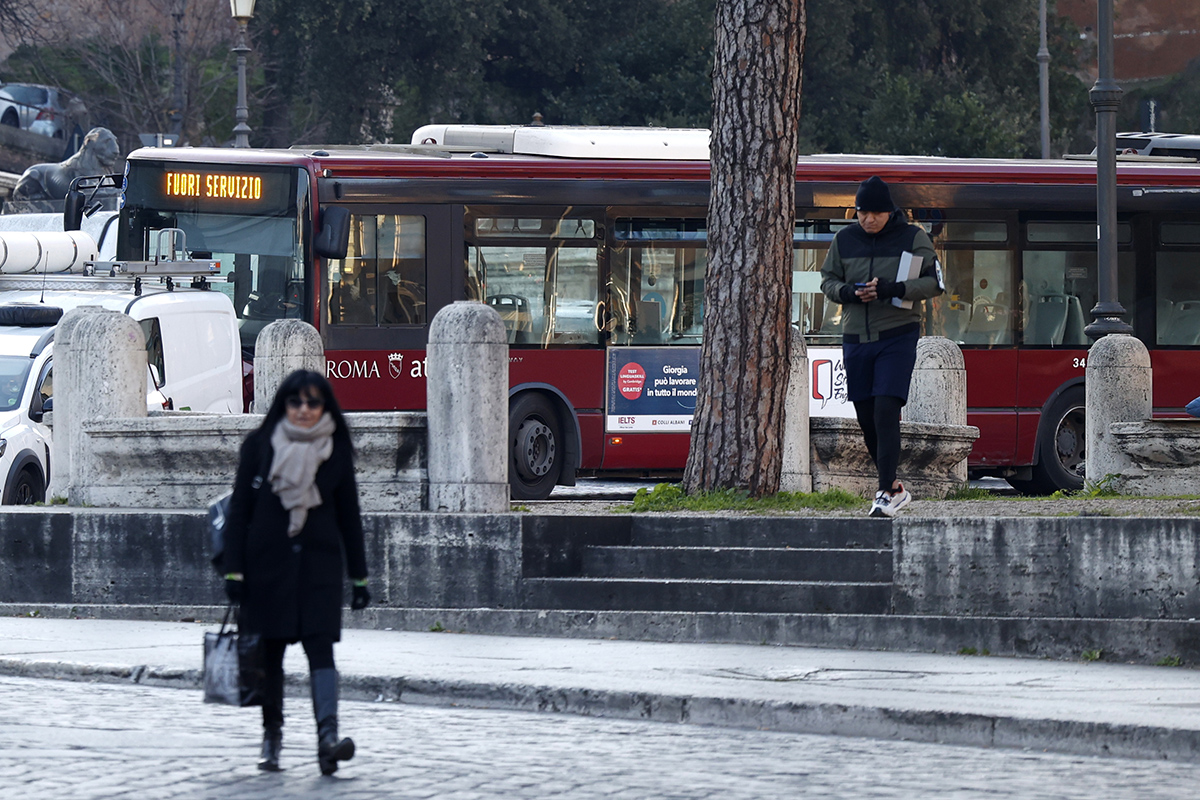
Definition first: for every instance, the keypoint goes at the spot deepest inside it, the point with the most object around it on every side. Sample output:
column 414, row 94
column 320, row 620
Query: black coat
column 293, row 585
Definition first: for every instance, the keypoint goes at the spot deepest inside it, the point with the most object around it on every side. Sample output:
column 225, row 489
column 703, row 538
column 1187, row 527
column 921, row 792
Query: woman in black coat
column 294, row 529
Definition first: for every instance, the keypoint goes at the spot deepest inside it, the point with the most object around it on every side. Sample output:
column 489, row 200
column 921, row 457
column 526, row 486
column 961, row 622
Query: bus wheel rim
column 535, row 449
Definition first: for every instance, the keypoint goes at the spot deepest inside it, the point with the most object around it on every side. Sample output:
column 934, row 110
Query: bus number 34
column 1079, row 363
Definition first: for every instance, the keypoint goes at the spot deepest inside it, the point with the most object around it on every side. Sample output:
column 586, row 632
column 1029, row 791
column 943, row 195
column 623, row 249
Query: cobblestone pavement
column 84, row 741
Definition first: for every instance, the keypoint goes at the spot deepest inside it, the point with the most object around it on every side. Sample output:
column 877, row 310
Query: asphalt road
column 83, row 741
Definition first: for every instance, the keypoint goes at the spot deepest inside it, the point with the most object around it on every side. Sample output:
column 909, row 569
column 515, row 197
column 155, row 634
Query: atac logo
column 396, row 364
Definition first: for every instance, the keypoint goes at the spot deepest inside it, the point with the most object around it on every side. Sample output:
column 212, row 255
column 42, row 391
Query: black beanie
column 874, row 195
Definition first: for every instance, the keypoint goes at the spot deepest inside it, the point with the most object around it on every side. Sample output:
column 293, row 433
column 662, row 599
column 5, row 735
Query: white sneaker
column 889, row 504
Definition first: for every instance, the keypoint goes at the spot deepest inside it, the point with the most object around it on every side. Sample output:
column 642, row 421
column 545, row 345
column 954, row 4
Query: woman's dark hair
column 293, row 385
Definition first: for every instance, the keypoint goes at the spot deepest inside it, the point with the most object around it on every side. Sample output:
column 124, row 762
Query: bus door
column 657, row 268
column 1058, row 291
column 979, row 312
column 378, row 301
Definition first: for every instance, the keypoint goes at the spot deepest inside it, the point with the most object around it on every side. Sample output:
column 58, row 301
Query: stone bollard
column 938, row 392
column 1118, row 380
column 99, row 374
column 796, row 475
column 467, row 405
column 281, row 348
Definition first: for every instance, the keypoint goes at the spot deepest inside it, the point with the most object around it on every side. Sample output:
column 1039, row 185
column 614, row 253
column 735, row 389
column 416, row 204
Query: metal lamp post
column 242, row 10
column 1043, row 58
column 1106, row 99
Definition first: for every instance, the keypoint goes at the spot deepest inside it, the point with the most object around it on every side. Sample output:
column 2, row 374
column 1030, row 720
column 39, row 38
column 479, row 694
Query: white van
column 193, row 355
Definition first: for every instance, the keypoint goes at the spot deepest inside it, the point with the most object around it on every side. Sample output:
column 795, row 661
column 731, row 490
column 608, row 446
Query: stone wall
column 176, row 460
column 1048, row 567
column 89, row 556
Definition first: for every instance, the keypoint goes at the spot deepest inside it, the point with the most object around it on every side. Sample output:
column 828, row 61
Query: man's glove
column 887, row 288
column 233, row 590
column 848, row 296
column 361, row 599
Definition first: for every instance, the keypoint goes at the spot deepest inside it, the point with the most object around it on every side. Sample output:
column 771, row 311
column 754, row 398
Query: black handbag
column 218, row 519
column 234, row 666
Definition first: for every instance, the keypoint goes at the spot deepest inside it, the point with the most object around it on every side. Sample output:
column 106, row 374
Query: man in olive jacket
column 879, row 336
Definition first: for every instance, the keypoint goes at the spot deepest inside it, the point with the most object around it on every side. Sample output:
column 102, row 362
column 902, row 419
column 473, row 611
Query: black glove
column 361, row 599
column 887, row 288
column 233, row 590
column 847, row 293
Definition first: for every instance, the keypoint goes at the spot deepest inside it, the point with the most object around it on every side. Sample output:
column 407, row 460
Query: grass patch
column 671, row 497
column 1170, row 661
column 971, row 651
column 1106, row 487
column 1093, row 655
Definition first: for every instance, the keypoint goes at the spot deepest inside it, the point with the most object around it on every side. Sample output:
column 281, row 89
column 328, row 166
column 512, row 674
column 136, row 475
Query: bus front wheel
column 1062, row 447
column 535, row 447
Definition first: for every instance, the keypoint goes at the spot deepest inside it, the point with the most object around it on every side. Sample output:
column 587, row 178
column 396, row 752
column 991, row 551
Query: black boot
column 272, row 744
column 272, row 713
column 330, row 749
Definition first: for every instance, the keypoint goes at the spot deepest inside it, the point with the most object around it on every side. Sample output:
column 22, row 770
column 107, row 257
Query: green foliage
column 902, row 76
column 1106, row 487
column 971, row 651
column 1169, row 661
column 671, row 497
column 436, row 627
column 1092, row 655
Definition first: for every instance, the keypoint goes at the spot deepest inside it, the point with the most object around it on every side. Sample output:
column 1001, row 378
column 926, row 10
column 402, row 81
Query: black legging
column 879, row 418
column 319, row 650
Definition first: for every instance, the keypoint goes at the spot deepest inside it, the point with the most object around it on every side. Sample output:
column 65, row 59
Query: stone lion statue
column 97, row 156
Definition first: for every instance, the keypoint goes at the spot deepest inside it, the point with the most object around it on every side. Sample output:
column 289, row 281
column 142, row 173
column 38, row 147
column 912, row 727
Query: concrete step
column 739, row 563
column 644, row 594
column 838, row 532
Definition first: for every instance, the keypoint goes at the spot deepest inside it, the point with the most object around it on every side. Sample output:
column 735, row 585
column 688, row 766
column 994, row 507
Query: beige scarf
column 298, row 453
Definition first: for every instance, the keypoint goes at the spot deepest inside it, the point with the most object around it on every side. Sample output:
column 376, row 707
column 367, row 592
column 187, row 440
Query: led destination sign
column 211, row 189
column 213, row 186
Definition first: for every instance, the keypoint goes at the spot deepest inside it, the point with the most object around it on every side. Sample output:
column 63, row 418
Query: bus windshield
column 250, row 219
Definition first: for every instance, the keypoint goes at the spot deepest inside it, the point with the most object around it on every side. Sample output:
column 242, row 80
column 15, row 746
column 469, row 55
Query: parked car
column 36, row 108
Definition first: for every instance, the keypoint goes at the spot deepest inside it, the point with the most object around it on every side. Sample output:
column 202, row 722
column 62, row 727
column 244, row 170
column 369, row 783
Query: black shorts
column 881, row 368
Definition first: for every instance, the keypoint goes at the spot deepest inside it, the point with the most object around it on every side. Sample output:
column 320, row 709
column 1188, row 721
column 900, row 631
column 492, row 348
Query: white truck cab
column 193, row 356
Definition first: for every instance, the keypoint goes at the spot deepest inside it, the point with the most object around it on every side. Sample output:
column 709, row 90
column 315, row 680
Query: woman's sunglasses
column 296, row 401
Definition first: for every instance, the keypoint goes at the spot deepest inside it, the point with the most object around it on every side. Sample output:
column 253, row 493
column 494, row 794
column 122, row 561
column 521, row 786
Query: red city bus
column 590, row 243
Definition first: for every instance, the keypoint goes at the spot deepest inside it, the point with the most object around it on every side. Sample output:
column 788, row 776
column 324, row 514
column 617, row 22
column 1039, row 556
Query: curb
column 1140, row 641
column 941, row 727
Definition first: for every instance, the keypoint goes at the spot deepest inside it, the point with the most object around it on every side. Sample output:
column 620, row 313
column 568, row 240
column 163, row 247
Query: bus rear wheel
column 1062, row 447
column 535, row 447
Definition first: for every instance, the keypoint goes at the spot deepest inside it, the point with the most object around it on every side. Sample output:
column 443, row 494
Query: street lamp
column 242, row 10
column 1106, row 99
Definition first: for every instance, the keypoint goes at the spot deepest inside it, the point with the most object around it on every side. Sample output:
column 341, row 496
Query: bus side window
column 656, row 282
column 1059, row 279
column 979, row 305
column 1177, row 284
column 382, row 279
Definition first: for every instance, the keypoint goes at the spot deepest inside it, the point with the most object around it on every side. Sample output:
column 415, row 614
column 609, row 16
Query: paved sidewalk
column 1096, row 708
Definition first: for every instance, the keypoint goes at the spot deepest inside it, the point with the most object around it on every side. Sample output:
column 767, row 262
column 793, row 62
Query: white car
column 193, row 357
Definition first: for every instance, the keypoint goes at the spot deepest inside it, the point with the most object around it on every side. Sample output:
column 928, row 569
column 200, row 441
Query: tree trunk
column 737, row 436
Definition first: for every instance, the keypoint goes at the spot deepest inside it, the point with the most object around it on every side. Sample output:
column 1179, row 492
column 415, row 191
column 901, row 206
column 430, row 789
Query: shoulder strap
column 264, row 467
